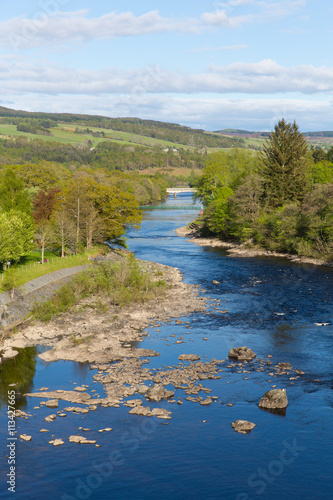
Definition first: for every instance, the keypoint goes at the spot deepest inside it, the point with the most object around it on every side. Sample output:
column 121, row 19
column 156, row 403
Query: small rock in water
column 25, row 437
column 56, row 442
column 157, row 392
column 241, row 353
column 215, row 282
column 189, row 357
column 52, row 403
column 206, row 401
column 243, row 426
column 81, row 440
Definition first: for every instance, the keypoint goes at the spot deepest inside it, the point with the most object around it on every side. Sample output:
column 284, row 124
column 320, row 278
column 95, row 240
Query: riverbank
column 242, row 249
column 97, row 331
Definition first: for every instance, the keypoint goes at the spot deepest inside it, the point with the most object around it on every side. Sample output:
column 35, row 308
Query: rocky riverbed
column 110, row 342
column 86, row 335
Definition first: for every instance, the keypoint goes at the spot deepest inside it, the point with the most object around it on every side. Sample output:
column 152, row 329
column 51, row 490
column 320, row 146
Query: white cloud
column 264, row 77
column 22, row 32
column 219, row 18
column 47, row 27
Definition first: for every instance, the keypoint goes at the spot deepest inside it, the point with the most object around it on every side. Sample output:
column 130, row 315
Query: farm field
column 66, row 134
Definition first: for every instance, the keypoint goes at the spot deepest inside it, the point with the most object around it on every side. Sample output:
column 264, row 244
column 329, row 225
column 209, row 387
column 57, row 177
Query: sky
column 213, row 64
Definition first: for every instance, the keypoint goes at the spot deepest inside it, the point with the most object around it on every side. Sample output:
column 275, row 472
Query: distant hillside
column 232, row 131
column 319, row 134
column 170, row 132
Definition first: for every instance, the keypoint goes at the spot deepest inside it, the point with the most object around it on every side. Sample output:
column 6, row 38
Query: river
column 273, row 306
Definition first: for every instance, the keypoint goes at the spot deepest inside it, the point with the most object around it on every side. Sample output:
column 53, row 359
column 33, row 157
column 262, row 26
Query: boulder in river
column 242, row 353
column 243, row 426
column 274, row 399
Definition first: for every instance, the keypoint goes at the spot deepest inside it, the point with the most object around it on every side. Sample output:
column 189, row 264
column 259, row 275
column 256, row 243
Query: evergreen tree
column 284, row 165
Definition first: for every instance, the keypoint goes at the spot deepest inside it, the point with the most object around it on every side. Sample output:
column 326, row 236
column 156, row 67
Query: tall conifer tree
column 284, row 165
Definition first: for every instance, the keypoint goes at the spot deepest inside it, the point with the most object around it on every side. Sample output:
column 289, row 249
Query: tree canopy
column 284, row 165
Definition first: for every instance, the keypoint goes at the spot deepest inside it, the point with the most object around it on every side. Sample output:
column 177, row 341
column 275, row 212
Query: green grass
column 122, row 283
column 30, row 269
column 66, row 135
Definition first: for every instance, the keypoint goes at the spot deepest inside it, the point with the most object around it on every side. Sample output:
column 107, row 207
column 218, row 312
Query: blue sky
column 213, row 64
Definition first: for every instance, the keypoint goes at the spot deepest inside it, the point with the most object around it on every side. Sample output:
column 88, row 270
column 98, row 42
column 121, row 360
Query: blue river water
column 273, row 306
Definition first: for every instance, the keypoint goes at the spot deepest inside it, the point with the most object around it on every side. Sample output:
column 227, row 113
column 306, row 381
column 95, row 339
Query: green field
column 66, row 134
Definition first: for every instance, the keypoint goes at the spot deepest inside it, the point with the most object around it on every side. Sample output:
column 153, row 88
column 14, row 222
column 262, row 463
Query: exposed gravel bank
column 91, row 336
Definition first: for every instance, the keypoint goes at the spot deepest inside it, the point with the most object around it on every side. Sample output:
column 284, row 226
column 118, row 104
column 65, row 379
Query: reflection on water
column 20, row 371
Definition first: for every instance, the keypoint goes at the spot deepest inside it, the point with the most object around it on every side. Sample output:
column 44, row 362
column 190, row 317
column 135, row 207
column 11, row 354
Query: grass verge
column 123, row 283
column 19, row 274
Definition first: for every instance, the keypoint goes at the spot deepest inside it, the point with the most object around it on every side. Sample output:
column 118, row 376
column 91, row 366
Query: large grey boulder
column 274, row 399
column 243, row 426
column 242, row 353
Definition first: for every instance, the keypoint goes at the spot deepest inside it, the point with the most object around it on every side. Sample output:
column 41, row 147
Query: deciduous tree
column 16, row 235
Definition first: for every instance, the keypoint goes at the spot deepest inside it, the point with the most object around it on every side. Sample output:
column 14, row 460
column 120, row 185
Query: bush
column 122, row 283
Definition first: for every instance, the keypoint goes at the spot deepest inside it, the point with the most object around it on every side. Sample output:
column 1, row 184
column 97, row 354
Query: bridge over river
column 175, row 191
column 171, row 207
column 181, row 190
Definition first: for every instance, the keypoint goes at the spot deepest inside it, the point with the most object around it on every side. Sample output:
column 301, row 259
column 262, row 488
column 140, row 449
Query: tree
column 43, row 207
column 284, row 165
column 223, row 169
column 13, row 195
column 99, row 213
column 64, row 228
column 16, row 235
column 322, row 172
column 43, row 204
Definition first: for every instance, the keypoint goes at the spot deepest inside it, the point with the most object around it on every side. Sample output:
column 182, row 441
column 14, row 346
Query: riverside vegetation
column 121, row 283
column 280, row 200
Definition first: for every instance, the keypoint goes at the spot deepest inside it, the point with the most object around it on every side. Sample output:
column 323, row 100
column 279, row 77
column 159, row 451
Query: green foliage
column 10, row 281
column 223, row 169
column 16, row 235
column 284, row 165
column 122, row 283
column 217, row 214
column 279, row 230
column 322, row 172
column 272, row 206
column 317, row 220
column 13, row 195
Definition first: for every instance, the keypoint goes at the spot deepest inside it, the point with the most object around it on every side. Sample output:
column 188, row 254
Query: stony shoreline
column 86, row 335
column 241, row 250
